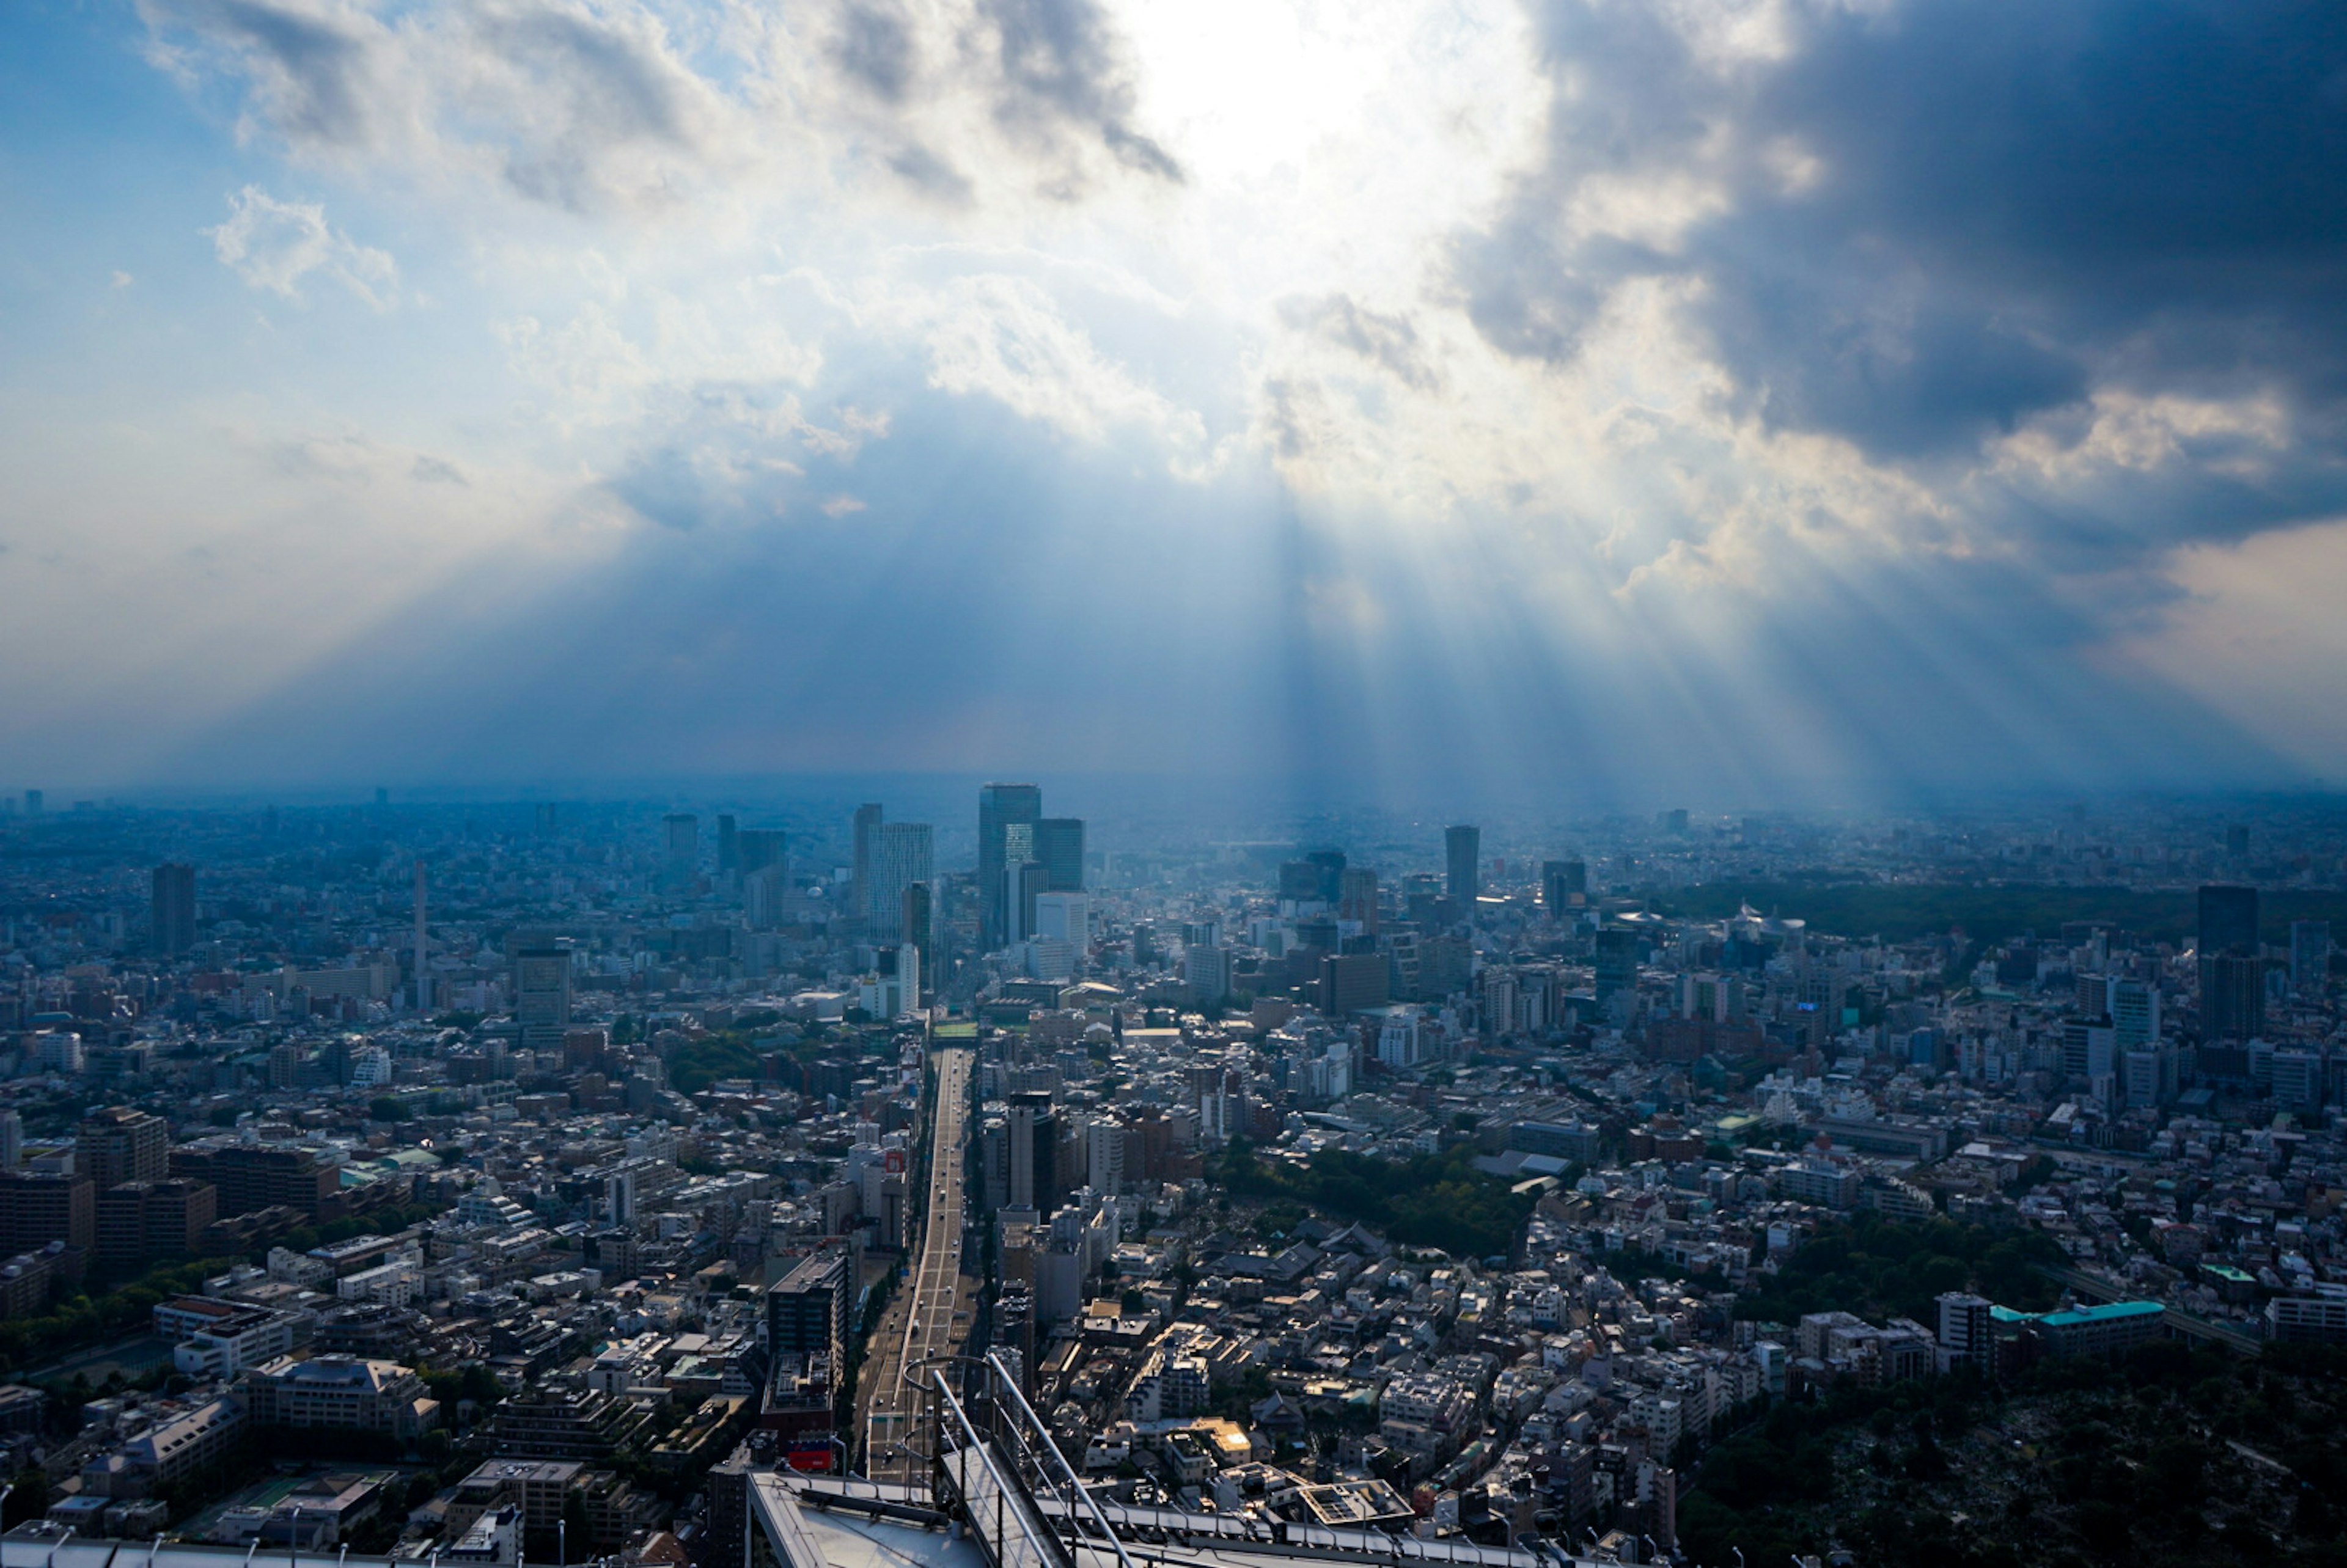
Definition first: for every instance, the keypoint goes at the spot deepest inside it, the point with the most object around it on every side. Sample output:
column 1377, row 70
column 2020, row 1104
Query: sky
column 1637, row 401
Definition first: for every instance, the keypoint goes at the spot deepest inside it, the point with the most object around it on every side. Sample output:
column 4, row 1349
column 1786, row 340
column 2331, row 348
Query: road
column 931, row 1316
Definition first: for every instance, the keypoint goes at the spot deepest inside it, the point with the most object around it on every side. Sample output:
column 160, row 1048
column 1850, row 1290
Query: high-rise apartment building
column 807, row 1309
column 119, row 1144
column 1463, row 851
column 1007, row 814
column 173, row 908
column 37, row 1207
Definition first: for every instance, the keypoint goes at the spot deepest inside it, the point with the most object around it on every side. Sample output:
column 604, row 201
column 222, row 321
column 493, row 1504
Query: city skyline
column 441, row 395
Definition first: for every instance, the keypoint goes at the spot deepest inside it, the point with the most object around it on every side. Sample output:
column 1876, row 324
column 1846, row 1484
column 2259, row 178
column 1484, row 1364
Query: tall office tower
column 1031, row 879
column 2135, row 1013
column 897, row 855
column 1065, row 918
column 1563, row 884
column 1328, row 874
column 119, row 1144
column 1617, row 962
column 1299, row 882
column 12, row 1140
column 33, row 803
column 867, row 828
column 756, row 848
column 1033, row 1133
column 423, row 976
column 1464, row 848
column 1357, row 896
column 541, row 995
column 1060, row 846
column 729, row 843
column 2228, row 920
column 174, row 908
column 1000, row 808
column 2310, row 956
column 681, row 842
column 921, row 925
column 2232, row 972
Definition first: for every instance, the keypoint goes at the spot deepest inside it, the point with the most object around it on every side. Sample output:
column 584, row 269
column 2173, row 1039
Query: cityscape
column 635, row 1181
column 1173, row 783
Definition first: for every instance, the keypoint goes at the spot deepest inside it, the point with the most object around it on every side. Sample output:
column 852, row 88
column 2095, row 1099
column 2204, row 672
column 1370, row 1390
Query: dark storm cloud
column 1060, row 68
column 2010, row 205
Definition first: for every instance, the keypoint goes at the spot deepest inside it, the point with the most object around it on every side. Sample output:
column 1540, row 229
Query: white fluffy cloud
column 273, row 245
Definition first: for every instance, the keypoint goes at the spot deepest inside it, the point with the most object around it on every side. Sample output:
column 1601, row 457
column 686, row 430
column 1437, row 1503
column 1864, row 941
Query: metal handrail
column 1007, row 1488
column 1010, row 1385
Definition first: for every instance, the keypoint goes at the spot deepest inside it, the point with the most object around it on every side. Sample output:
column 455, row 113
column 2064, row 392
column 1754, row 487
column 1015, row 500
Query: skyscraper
column 1356, row 897
column 1034, row 1147
column 729, row 843
column 1060, row 846
column 1463, row 846
column 174, row 908
column 897, row 856
column 2228, row 920
column 921, row 925
column 2309, row 956
column 1563, row 884
column 681, row 844
column 756, row 848
column 866, row 828
column 2232, row 972
column 1617, row 962
column 1000, row 808
column 541, row 995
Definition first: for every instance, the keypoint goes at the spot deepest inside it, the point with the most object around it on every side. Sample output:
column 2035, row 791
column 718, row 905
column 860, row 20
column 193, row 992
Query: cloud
column 1921, row 225
column 640, row 107
column 1059, row 68
column 272, row 245
column 1389, row 341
